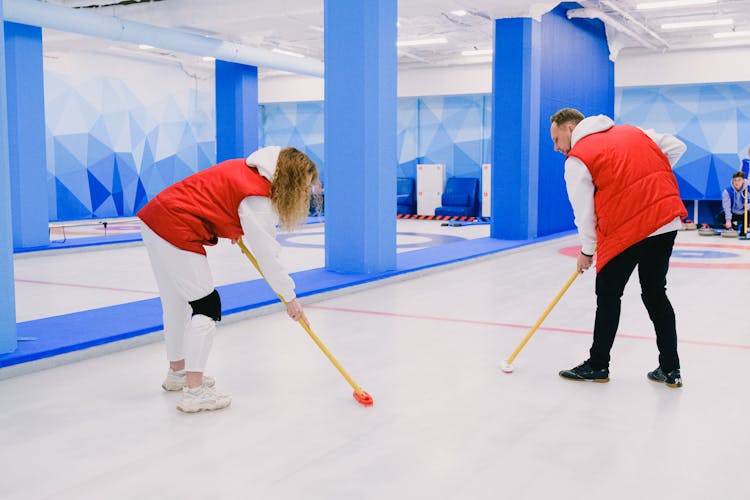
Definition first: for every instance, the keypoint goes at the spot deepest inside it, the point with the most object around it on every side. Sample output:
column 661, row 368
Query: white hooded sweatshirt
column 259, row 221
column 581, row 186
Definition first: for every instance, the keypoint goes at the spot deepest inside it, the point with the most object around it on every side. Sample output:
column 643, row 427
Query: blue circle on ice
column 702, row 254
column 407, row 239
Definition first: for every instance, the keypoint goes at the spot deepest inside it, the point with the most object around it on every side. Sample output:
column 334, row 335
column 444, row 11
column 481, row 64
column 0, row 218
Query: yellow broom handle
column 744, row 228
column 542, row 318
column 305, row 325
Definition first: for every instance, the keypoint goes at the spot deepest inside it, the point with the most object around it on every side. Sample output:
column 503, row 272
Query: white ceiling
column 297, row 25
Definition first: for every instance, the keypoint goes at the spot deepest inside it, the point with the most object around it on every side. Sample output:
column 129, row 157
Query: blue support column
column 360, row 135
column 515, row 128
column 26, row 135
column 8, row 341
column 236, row 110
column 576, row 73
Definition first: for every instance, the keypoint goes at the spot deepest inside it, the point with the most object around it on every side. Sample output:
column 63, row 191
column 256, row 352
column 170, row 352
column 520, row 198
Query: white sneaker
column 202, row 399
column 176, row 381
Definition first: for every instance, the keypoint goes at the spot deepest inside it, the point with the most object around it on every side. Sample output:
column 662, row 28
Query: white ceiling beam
column 636, row 22
column 592, row 13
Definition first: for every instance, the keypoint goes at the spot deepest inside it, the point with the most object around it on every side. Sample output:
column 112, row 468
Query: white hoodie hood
column 590, row 125
column 265, row 160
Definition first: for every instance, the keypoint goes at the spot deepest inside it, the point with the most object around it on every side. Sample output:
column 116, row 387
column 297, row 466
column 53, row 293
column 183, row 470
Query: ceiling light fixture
column 697, row 24
column 635, row 22
column 143, row 46
column 477, row 52
column 459, row 13
column 287, row 52
column 672, row 4
column 421, row 41
column 732, row 34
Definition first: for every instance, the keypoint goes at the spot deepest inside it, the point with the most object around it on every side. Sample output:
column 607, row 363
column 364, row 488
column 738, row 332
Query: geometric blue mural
column 407, row 145
column 713, row 120
column 109, row 152
column 454, row 130
column 299, row 125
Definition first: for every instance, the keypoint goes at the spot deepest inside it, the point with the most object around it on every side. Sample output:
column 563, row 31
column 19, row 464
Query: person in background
column 241, row 198
column 627, row 208
column 733, row 201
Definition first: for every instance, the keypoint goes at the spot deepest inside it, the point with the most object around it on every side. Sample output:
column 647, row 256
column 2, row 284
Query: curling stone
column 688, row 225
column 707, row 231
column 729, row 233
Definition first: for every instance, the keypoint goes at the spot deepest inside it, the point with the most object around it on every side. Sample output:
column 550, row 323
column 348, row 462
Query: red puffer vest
column 636, row 190
column 203, row 207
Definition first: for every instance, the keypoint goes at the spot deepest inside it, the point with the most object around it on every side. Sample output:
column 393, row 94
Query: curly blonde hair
column 295, row 174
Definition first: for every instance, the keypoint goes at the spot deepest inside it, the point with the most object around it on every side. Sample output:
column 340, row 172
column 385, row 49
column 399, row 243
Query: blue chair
column 459, row 197
column 406, row 198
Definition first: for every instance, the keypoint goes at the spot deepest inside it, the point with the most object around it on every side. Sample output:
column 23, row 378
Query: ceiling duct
column 86, row 22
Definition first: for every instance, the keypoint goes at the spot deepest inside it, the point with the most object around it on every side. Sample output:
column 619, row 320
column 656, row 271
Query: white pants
column 182, row 277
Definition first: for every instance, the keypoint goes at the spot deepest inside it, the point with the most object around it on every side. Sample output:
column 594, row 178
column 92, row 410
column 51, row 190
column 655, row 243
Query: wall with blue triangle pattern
column 454, row 130
column 113, row 142
column 113, row 145
column 712, row 119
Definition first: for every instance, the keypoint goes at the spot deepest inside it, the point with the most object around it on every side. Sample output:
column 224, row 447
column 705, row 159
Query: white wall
column 456, row 80
column 729, row 64
column 289, row 88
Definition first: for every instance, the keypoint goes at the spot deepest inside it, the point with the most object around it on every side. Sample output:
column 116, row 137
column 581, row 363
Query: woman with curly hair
column 242, row 198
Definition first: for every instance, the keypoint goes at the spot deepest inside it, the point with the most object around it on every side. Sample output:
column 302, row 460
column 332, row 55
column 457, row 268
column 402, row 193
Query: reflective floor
column 447, row 423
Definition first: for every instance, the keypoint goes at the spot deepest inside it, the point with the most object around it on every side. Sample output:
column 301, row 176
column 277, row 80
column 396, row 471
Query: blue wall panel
column 26, row 135
column 515, row 94
column 236, row 110
column 360, row 127
column 576, row 72
column 712, row 119
column 111, row 147
column 407, row 118
column 451, row 131
column 454, row 130
column 8, row 340
column 299, row 125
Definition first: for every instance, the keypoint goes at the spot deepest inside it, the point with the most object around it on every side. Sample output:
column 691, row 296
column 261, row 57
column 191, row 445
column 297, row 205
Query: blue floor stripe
column 83, row 242
column 110, row 239
column 71, row 332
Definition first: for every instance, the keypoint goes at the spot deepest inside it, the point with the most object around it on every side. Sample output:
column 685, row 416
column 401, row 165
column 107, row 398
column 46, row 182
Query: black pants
column 738, row 221
column 652, row 258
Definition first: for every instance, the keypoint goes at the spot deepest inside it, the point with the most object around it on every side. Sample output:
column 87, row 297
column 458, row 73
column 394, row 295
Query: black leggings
column 652, row 258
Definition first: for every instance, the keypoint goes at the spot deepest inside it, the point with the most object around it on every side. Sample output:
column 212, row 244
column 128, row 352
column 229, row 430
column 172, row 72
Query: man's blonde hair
column 566, row 115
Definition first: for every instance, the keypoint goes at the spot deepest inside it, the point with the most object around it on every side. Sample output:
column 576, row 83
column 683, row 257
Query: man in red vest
column 628, row 209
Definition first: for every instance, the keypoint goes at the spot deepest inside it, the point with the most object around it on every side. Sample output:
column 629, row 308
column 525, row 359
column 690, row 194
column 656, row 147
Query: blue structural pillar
column 576, row 73
column 26, row 135
column 236, row 110
column 540, row 67
column 8, row 340
column 360, row 135
column 515, row 128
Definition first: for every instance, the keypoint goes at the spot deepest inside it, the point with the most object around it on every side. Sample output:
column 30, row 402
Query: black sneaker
column 672, row 379
column 584, row 371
